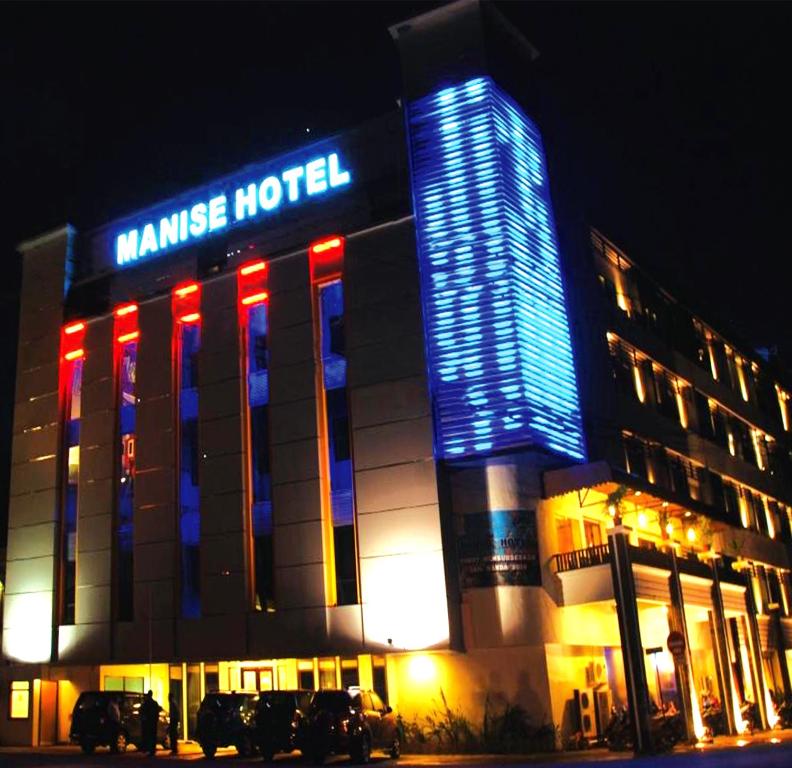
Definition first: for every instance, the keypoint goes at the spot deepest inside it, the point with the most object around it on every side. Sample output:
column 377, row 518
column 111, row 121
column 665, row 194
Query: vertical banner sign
column 499, row 548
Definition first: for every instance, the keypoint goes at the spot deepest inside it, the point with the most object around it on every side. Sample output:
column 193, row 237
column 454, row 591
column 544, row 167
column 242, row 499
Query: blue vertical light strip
column 69, row 520
column 499, row 350
column 342, row 494
column 189, row 488
column 127, row 408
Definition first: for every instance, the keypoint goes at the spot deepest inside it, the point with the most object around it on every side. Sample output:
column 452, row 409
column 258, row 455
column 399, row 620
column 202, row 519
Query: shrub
column 503, row 731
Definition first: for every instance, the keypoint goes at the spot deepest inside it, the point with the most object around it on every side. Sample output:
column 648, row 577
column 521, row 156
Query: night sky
column 666, row 123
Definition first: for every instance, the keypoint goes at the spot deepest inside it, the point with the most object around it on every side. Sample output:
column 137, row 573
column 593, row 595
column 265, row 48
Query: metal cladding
column 499, row 349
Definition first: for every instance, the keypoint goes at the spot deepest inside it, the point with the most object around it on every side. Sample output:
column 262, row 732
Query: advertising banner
column 499, row 548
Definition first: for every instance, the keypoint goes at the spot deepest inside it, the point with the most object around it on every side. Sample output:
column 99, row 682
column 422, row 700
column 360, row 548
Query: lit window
column 329, row 299
column 682, row 391
column 72, row 359
column 19, row 703
column 640, row 390
column 742, row 376
column 186, row 310
column 760, row 448
column 783, row 405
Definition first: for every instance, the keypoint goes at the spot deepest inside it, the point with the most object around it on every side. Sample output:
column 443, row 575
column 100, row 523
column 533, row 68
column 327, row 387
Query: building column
column 755, row 652
column 677, row 623
column 775, row 623
column 722, row 661
column 630, row 633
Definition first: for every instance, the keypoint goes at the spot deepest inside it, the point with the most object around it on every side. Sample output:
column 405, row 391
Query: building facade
column 366, row 413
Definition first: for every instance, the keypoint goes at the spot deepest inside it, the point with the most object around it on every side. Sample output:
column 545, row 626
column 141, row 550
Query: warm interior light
column 642, row 520
column 193, row 317
column 669, row 528
column 691, row 534
column 124, row 338
column 73, row 355
column 256, row 298
column 127, row 309
column 249, row 269
column 73, row 328
column 186, row 290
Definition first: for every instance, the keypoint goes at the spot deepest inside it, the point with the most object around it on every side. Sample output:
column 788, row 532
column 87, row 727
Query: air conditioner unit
column 602, row 709
column 586, row 712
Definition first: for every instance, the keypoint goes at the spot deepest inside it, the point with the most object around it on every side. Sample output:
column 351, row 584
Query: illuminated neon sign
column 237, row 200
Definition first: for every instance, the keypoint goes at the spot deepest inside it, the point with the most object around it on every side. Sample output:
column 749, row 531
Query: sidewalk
column 191, row 751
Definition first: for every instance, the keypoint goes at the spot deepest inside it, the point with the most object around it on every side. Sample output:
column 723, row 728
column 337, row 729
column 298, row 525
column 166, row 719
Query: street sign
column 676, row 643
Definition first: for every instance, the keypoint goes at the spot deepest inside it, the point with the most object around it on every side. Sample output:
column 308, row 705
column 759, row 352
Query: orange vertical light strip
column 328, row 545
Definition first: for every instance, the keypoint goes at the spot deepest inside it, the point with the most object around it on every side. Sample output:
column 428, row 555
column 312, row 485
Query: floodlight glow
column 498, row 342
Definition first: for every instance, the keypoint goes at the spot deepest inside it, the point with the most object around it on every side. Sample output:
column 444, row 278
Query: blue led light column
column 499, row 351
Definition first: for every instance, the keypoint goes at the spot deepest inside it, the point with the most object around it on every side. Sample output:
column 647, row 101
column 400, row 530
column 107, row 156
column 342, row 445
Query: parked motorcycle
column 748, row 714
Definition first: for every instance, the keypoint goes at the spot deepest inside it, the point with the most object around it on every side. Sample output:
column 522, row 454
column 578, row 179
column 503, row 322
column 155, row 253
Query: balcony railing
column 581, row 558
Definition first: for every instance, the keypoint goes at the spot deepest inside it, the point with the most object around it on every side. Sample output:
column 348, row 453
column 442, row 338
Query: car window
column 331, row 701
column 356, row 702
column 304, row 701
column 377, row 702
column 366, row 700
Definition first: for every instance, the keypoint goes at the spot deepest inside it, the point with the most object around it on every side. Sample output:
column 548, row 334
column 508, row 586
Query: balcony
column 585, row 574
column 581, row 558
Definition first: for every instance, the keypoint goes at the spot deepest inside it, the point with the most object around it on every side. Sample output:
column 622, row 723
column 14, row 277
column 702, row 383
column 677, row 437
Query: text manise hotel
column 368, row 413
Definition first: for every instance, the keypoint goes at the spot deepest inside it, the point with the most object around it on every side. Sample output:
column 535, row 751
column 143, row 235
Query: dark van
column 112, row 719
column 227, row 719
column 352, row 722
column 279, row 718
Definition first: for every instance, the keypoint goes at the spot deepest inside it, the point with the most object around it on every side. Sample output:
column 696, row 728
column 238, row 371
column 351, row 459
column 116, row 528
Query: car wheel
column 395, row 750
column 209, row 750
column 267, row 751
column 244, row 746
column 87, row 747
column 361, row 752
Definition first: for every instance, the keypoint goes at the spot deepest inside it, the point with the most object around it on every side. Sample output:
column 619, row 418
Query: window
column 72, row 357
column 565, row 535
column 186, row 310
column 19, row 700
column 253, row 306
column 349, row 673
column 783, row 406
column 593, row 533
column 326, row 275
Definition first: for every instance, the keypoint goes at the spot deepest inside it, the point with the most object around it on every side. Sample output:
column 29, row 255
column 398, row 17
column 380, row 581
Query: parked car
column 112, row 719
column 279, row 720
column 352, row 722
column 227, row 719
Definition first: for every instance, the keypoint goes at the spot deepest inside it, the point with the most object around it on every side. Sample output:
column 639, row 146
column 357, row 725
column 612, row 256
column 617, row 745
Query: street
column 758, row 751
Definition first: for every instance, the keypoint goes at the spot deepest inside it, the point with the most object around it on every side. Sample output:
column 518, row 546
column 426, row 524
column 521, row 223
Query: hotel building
column 370, row 413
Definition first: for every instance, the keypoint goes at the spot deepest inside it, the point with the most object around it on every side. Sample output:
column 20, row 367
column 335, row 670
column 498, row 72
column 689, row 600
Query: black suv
column 112, row 719
column 227, row 719
column 351, row 722
column 279, row 719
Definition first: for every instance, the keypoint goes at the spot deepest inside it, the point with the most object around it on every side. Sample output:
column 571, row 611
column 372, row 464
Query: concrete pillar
column 721, row 642
column 757, row 673
column 677, row 622
column 630, row 632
